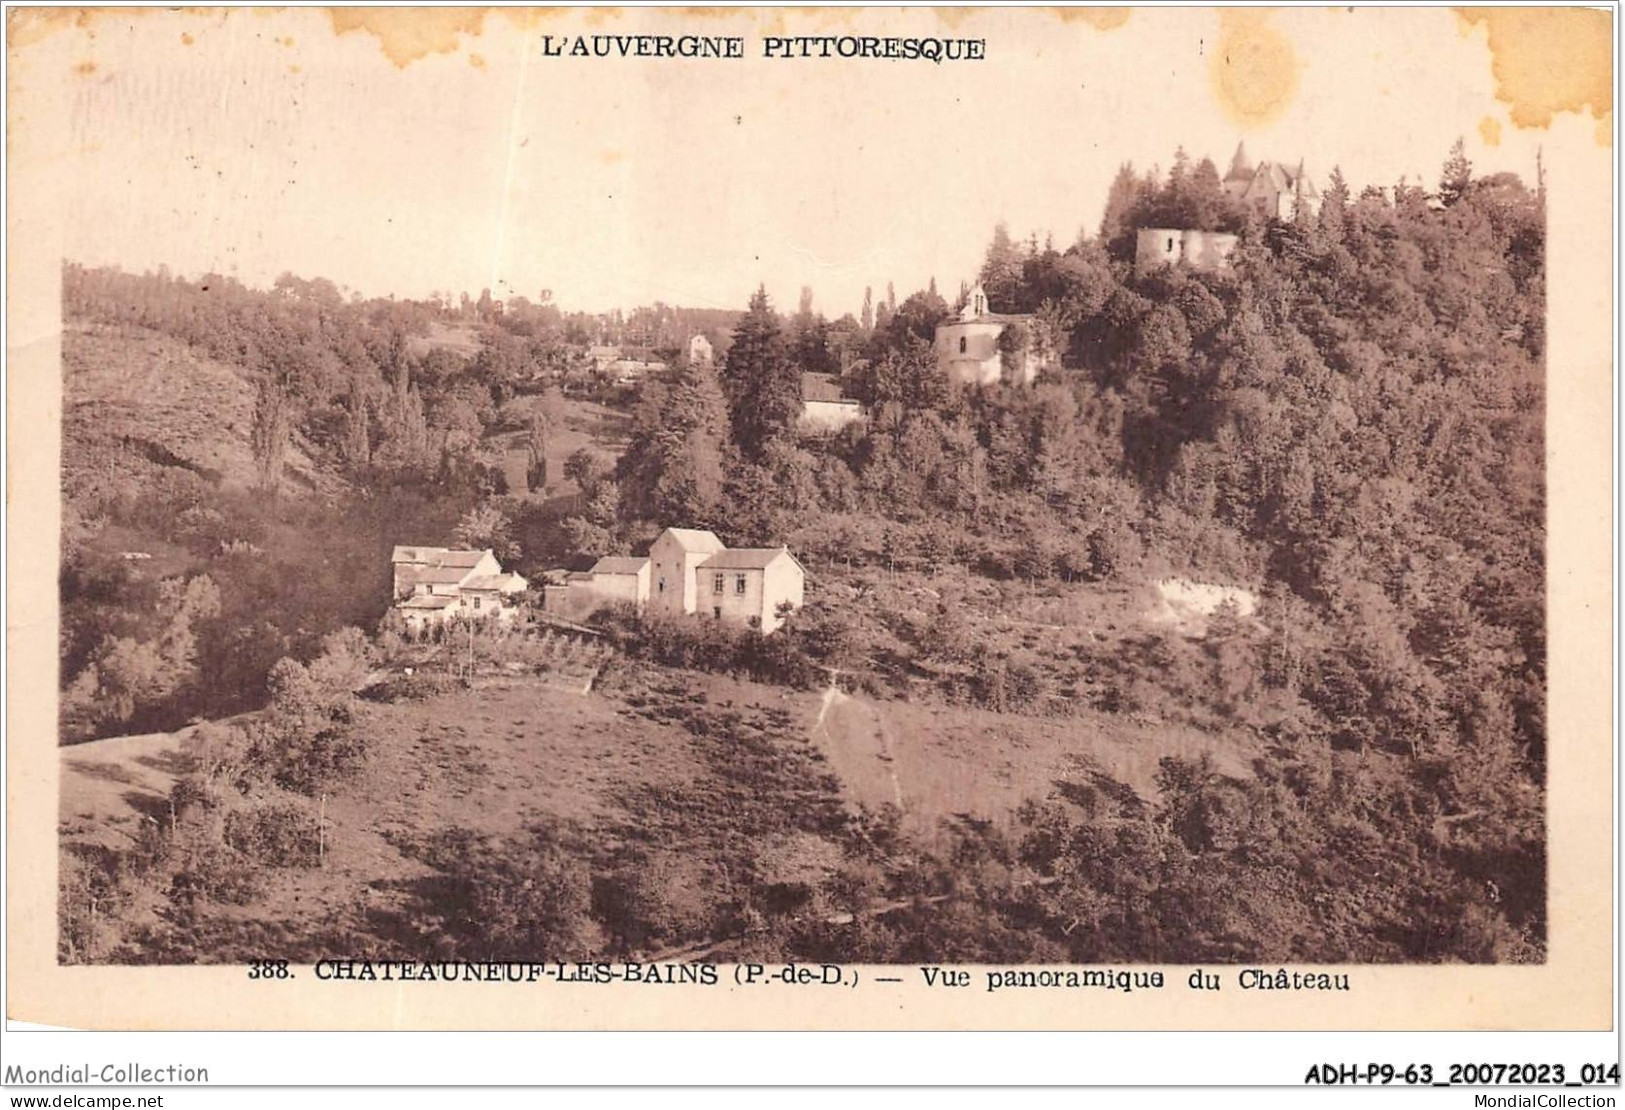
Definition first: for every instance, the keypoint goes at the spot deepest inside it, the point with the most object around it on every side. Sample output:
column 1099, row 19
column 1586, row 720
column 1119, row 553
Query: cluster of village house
column 434, row 584
column 687, row 572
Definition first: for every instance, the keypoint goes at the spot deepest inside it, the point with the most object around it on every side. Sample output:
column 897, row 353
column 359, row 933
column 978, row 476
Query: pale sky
column 270, row 143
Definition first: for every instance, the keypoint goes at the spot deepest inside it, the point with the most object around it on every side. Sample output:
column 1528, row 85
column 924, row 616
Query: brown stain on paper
column 1549, row 60
column 1101, row 19
column 408, row 34
column 1489, row 129
column 1255, row 69
column 26, row 26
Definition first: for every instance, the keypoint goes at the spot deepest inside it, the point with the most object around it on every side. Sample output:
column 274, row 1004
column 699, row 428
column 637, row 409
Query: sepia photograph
column 635, row 494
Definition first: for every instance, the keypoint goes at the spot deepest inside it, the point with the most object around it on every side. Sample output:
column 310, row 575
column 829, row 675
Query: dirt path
column 855, row 739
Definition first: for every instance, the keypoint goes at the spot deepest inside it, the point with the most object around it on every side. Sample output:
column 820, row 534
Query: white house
column 434, row 584
column 689, row 572
column 699, row 350
column 675, row 555
column 749, row 585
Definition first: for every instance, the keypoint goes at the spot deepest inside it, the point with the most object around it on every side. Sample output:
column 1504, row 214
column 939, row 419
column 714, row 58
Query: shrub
column 346, row 658
column 277, row 833
column 87, row 900
column 210, row 870
column 306, row 740
column 527, row 900
column 413, row 687
column 193, row 792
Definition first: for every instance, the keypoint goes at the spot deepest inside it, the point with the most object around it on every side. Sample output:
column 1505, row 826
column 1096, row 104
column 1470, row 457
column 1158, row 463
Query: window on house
column 962, row 344
column 1170, row 244
column 476, row 603
column 716, row 583
column 661, row 586
column 739, row 583
column 716, row 611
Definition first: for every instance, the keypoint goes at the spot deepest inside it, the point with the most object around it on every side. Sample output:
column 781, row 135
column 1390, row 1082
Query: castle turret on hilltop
column 1272, row 189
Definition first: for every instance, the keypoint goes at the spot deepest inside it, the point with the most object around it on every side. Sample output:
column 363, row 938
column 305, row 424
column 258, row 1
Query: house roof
column 619, row 564
column 1286, row 178
column 1240, row 168
column 820, row 387
column 506, row 583
column 438, row 556
column 694, row 539
column 416, row 554
column 987, row 318
column 436, row 576
column 428, row 601
column 746, row 558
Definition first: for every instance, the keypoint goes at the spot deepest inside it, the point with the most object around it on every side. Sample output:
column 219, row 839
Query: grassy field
column 460, row 339
column 714, row 783
column 585, row 424
column 135, row 401
column 941, row 762
column 109, row 787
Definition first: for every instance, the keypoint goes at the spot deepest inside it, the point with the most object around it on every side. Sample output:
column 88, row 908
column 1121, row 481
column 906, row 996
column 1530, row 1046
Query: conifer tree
column 760, row 379
column 1334, row 203
column 357, row 440
column 269, row 437
column 1120, row 201
column 1456, row 176
column 673, row 470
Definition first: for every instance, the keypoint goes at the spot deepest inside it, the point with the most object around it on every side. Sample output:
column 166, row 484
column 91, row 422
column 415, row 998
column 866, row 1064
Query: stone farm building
column 689, row 572
column 975, row 349
column 435, row 584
